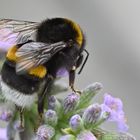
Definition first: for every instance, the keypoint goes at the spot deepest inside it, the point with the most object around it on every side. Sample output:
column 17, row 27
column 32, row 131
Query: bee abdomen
column 16, row 96
column 22, row 83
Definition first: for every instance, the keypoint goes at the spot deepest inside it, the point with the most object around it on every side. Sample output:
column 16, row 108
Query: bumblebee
column 41, row 49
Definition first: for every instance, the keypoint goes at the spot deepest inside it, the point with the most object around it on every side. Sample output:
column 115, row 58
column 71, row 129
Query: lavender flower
column 70, row 102
column 7, row 109
column 114, row 107
column 3, row 134
column 6, row 115
column 92, row 114
column 45, row 132
column 51, row 118
column 84, row 125
column 67, row 137
column 76, row 123
column 86, row 135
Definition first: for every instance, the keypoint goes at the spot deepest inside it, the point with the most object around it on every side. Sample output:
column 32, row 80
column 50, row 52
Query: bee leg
column 40, row 120
column 42, row 96
column 72, row 79
column 21, row 116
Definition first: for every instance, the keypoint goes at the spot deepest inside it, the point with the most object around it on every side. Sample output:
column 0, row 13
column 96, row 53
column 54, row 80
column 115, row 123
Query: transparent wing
column 15, row 31
column 33, row 54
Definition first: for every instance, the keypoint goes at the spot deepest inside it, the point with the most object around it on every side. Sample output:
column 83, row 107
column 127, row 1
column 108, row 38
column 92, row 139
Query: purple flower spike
column 114, row 107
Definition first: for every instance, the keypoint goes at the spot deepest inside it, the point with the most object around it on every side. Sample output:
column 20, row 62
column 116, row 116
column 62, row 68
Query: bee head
column 62, row 29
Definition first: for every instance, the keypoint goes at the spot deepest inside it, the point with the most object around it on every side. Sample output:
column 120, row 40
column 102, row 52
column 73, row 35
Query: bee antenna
column 87, row 53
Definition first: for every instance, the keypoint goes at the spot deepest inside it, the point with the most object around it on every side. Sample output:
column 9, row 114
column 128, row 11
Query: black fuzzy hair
column 54, row 30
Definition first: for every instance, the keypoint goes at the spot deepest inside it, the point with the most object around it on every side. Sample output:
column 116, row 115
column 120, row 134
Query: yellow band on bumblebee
column 11, row 54
column 77, row 28
column 39, row 71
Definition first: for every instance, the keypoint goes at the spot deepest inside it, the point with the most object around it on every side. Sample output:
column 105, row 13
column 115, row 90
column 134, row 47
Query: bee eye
column 70, row 43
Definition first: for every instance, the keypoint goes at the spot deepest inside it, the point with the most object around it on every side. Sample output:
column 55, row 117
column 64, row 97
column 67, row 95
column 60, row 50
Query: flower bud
column 67, row 137
column 88, row 93
column 70, row 102
column 92, row 114
column 95, row 87
column 76, row 123
column 54, row 104
column 45, row 132
column 51, row 118
column 86, row 135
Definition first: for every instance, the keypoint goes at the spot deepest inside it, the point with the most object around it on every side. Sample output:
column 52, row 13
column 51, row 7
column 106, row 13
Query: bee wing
column 16, row 31
column 33, row 54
